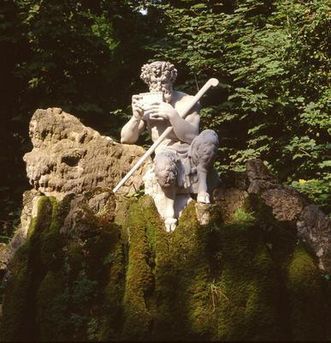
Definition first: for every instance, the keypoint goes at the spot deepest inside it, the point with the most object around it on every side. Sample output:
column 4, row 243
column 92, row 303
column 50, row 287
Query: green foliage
column 317, row 190
column 271, row 58
column 76, row 53
column 273, row 62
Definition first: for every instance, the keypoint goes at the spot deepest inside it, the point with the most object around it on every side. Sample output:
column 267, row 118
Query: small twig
column 196, row 82
column 215, row 293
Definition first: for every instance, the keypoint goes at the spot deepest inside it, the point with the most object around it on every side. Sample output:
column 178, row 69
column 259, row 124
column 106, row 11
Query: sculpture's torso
column 156, row 127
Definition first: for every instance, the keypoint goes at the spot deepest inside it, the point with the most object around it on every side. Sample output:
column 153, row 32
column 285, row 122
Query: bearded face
column 162, row 84
column 159, row 76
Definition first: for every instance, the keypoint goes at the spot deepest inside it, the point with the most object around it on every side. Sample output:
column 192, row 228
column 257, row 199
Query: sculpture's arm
column 185, row 129
column 133, row 128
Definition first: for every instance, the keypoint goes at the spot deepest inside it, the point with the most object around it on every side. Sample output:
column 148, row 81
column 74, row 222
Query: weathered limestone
column 83, row 275
column 94, row 266
column 290, row 206
column 54, row 136
column 68, row 157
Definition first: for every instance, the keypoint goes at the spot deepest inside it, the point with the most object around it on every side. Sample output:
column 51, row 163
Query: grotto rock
column 112, row 273
column 68, row 157
column 315, row 228
column 229, row 199
column 288, row 205
column 89, row 265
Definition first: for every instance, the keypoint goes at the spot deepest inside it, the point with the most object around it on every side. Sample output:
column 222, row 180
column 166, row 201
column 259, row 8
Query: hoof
column 170, row 224
column 203, row 197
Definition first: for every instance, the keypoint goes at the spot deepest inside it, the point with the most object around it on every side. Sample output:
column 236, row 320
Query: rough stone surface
column 85, row 275
column 315, row 228
column 99, row 205
column 204, row 213
column 68, row 157
column 94, row 266
column 229, row 200
column 259, row 177
column 4, row 258
column 288, row 205
column 30, row 199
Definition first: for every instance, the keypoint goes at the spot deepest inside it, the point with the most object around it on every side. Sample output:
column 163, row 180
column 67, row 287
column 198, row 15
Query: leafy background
column 272, row 59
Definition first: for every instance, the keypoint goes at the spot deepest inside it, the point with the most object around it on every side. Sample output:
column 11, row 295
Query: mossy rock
column 128, row 279
column 308, row 305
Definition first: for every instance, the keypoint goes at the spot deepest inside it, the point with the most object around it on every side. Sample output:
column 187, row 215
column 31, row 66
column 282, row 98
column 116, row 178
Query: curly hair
column 157, row 69
column 166, row 167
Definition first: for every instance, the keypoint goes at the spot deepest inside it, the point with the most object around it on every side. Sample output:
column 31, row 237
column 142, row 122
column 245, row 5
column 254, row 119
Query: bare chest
column 157, row 126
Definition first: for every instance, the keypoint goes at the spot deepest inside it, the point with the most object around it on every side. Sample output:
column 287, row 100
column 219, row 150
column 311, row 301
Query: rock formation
column 68, row 157
column 289, row 206
column 89, row 265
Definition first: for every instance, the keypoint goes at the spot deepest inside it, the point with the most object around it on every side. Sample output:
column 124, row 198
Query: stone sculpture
column 183, row 159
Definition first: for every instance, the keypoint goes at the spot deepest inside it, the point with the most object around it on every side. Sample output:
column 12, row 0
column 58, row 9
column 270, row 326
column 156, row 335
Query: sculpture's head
column 160, row 77
column 165, row 168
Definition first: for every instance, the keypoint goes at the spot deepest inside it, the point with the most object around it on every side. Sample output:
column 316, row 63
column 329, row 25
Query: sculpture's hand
column 137, row 109
column 161, row 110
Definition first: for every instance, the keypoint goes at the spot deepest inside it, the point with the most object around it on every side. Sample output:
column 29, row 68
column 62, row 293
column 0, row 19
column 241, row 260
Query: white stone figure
column 183, row 159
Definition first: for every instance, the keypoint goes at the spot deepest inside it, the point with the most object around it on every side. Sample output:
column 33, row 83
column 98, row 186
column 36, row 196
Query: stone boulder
column 90, row 265
column 68, row 157
column 96, row 267
column 289, row 206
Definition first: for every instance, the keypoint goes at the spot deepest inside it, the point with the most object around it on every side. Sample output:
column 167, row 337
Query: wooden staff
column 210, row 83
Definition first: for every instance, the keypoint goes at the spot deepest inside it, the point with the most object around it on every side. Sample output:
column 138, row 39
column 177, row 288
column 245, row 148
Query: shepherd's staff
column 210, row 83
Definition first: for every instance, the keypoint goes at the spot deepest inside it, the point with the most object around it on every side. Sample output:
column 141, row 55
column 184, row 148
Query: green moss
column 122, row 209
column 15, row 299
column 113, row 293
column 248, row 286
column 27, row 272
column 52, row 304
column 217, row 282
column 243, row 216
column 139, row 277
column 51, row 242
column 189, row 252
column 165, row 312
column 308, row 309
column 43, row 218
column 131, row 280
